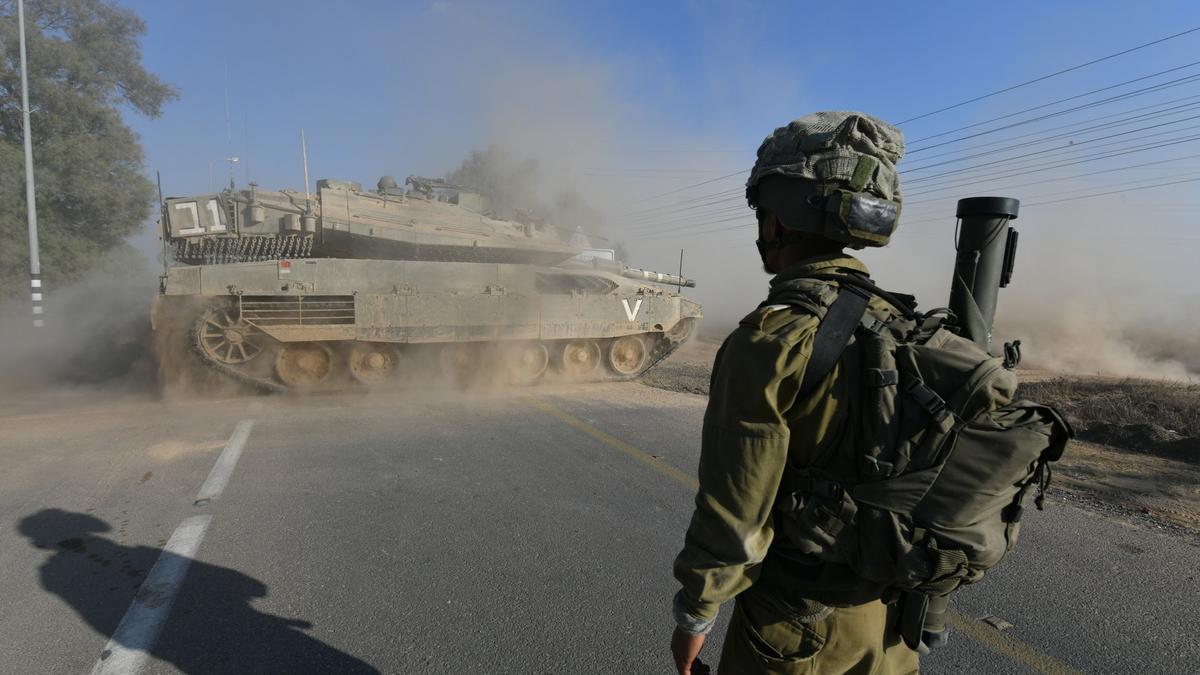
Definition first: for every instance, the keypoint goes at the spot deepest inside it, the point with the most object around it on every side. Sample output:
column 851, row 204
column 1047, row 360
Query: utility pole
column 35, row 265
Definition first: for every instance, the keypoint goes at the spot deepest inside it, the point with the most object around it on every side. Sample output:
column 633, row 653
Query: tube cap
column 988, row 206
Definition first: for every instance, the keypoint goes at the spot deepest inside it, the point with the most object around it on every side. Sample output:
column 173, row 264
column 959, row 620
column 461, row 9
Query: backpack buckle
column 928, row 399
column 878, row 467
column 879, row 377
column 819, row 487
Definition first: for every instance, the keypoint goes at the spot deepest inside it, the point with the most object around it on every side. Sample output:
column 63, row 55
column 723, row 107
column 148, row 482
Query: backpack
column 945, row 456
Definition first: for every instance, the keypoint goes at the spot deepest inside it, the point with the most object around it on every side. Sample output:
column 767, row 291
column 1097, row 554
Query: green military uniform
column 794, row 614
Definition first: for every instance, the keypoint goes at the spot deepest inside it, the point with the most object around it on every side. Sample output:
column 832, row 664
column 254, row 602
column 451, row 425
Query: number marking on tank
column 196, row 227
column 214, row 211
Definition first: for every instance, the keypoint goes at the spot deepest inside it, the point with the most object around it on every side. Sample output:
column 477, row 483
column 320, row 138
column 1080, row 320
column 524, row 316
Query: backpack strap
column 864, row 284
column 833, row 335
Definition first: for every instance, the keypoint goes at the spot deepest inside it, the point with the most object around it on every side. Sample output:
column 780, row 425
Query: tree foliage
column 85, row 71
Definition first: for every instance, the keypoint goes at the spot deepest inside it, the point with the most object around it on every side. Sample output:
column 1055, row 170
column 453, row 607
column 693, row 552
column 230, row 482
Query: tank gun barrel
column 656, row 277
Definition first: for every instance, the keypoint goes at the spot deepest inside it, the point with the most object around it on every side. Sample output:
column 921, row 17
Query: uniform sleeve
column 743, row 453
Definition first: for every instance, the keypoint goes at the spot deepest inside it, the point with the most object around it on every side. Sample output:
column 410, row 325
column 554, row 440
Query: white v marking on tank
column 631, row 313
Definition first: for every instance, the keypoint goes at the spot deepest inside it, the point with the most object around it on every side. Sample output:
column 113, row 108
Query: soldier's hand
column 686, row 649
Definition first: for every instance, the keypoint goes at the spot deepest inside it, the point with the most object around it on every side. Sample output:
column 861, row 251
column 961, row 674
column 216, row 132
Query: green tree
column 85, row 71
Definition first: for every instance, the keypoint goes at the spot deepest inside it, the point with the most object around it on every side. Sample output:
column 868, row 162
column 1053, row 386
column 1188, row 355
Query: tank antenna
column 680, row 288
column 304, row 155
column 164, row 232
column 229, row 128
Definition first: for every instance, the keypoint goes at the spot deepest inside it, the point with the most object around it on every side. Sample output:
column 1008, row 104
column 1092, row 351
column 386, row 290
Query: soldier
column 822, row 183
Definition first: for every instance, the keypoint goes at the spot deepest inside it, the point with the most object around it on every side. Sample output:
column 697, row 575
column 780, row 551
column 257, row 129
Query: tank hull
column 320, row 323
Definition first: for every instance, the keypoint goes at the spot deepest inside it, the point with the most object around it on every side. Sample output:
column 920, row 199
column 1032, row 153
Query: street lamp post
column 35, row 265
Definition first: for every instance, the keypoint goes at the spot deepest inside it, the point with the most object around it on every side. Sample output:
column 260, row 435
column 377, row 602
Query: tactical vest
column 943, row 456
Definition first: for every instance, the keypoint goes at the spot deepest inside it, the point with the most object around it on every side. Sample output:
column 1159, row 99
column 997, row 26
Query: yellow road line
column 1003, row 643
column 989, row 637
column 655, row 463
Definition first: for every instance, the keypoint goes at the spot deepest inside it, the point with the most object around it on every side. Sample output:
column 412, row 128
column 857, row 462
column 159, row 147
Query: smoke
column 1097, row 288
column 515, row 189
column 1103, row 292
column 600, row 141
column 586, row 140
column 96, row 334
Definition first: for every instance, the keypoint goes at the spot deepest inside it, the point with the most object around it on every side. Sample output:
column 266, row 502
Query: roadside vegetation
column 1142, row 416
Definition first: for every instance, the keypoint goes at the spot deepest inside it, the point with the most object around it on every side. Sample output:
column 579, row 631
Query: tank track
column 667, row 343
column 670, row 341
column 226, row 370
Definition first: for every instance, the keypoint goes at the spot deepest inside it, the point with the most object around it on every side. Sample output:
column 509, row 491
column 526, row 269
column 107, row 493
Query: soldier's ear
column 776, row 226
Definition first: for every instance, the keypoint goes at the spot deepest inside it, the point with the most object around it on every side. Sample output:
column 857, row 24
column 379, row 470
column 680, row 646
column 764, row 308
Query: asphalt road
column 530, row 532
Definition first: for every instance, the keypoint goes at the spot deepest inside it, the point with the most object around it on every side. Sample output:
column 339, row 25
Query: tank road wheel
column 372, row 363
column 226, row 338
column 627, row 355
column 580, row 358
column 303, row 365
column 527, row 362
column 459, row 362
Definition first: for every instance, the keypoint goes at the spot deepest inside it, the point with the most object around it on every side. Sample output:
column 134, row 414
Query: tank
column 347, row 287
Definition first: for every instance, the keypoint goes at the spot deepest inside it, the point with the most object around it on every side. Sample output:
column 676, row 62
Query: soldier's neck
column 790, row 255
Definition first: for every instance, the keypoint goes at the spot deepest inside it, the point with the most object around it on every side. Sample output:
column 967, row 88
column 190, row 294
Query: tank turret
column 433, row 221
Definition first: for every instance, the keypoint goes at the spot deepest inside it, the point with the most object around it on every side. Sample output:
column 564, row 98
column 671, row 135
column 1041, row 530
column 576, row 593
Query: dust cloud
column 96, row 334
column 1105, row 292
column 1100, row 288
column 1091, row 293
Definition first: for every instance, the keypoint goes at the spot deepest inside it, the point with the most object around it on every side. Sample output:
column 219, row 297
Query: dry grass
column 1173, row 406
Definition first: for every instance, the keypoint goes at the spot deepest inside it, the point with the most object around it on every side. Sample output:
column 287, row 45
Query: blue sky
column 625, row 101
column 395, row 86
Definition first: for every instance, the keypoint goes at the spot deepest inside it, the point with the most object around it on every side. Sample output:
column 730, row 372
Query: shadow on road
column 212, row 626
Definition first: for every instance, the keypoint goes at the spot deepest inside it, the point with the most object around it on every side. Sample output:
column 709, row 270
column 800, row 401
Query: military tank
column 345, row 287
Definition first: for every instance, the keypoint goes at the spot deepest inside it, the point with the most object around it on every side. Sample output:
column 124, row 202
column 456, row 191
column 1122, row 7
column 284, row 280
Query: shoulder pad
column 811, row 295
column 758, row 317
column 777, row 321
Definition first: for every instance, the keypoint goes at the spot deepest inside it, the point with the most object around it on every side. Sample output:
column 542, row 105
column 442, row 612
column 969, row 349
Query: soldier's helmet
column 832, row 174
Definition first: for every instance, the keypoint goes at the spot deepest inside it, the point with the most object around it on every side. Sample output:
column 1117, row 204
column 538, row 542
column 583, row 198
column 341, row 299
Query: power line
column 685, row 205
column 1048, row 198
column 1070, row 151
column 1044, row 139
column 1063, row 126
column 743, row 218
column 1046, row 77
column 688, row 187
column 666, row 224
column 1157, row 87
column 1111, row 192
column 1119, row 97
column 707, row 212
column 655, row 217
column 1056, row 149
column 908, row 204
column 1077, row 198
column 1059, row 165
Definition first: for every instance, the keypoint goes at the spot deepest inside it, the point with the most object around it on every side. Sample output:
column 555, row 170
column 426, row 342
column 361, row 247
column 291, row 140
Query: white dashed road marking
column 223, row 469
column 129, row 647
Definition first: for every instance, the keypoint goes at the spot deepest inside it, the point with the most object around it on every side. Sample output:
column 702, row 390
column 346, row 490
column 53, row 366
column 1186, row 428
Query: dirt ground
column 1137, row 447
